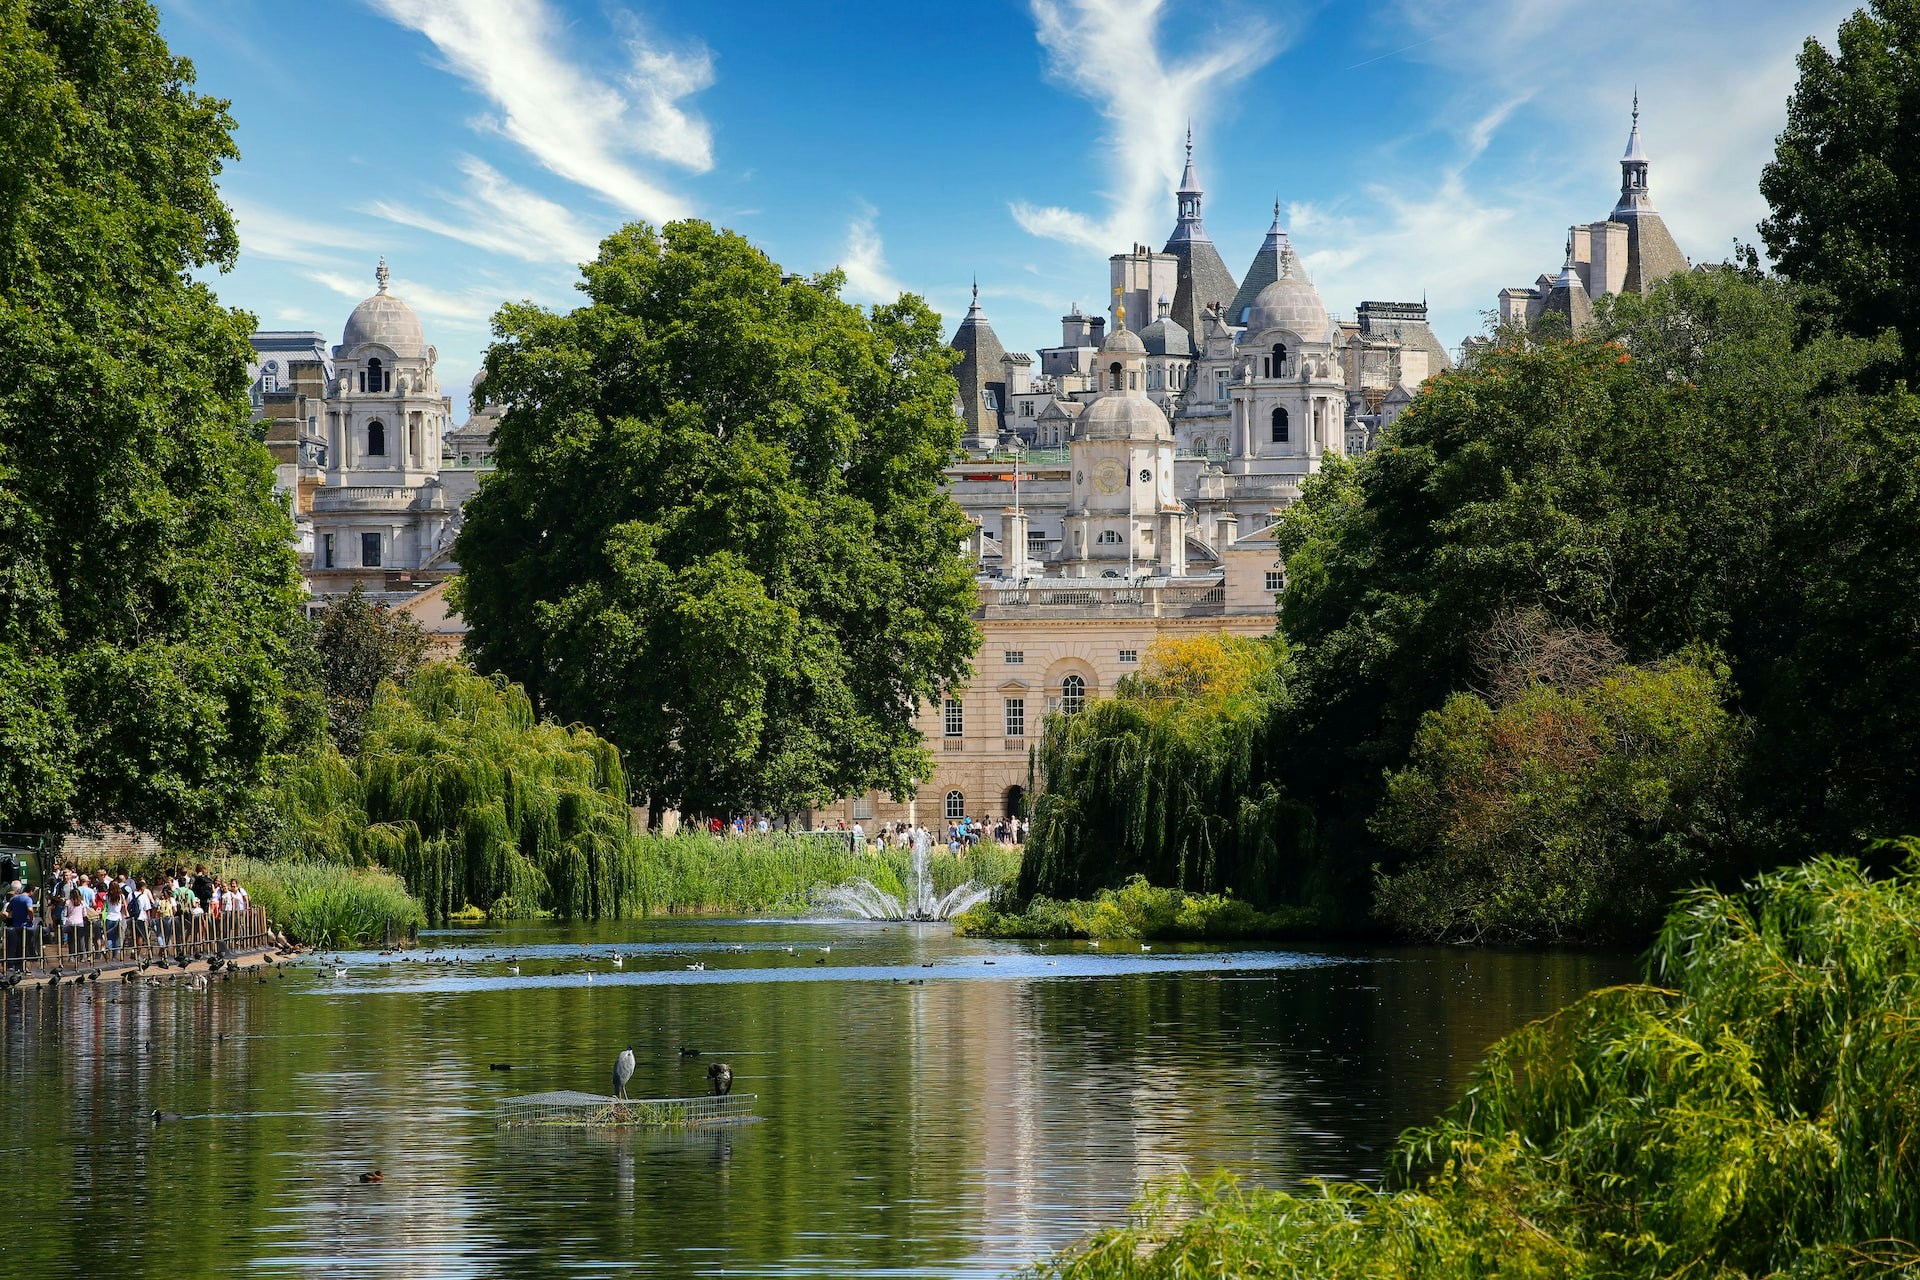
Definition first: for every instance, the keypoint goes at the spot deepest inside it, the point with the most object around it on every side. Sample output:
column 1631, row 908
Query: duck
column 618, row 960
column 499, row 1066
column 373, row 1176
column 161, row 1117
column 696, row 967
column 688, row 1051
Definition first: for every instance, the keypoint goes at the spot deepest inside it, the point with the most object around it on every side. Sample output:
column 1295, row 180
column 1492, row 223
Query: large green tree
column 148, row 590
column 359, row 645
column 1845, row 177
column 717, row 532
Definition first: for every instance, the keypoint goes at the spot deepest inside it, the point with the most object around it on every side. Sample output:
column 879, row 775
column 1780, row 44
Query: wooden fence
column 97, row 944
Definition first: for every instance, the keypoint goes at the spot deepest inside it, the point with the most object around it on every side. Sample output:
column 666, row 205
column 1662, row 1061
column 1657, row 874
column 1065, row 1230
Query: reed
column 326, row 905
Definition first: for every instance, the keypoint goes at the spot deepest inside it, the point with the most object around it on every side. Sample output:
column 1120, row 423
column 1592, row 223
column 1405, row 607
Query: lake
column 929, row 1105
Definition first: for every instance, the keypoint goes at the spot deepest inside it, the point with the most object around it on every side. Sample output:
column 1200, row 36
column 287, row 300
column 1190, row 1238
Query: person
column 73, row 922
column 113, row 911
column 142, row 913
column 19, row 925
column 202, row 886
column 163, row 908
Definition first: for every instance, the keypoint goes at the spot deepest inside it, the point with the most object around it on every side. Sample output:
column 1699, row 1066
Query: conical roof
column 979, row 369
column 1203, row 278
column 1263, row 271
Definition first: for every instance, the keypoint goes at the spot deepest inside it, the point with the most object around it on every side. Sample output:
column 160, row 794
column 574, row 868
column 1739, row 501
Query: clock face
column 1108, row 475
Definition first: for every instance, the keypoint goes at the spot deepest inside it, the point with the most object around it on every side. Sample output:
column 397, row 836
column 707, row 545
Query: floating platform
column 569, row 1108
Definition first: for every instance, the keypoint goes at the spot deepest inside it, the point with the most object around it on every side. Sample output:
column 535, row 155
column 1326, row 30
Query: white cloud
column 574, row 122
column 467, row 309
column 269, row 233
column 503, row 217
column 864, row 259
column 1114, row 53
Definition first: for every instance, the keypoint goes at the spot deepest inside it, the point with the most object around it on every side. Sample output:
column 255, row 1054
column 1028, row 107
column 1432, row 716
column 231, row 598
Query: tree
column 1845, row 175
column 717, row 531
column 362, row 644
column 1169, row 779
column 1561, row 810
column 148, row 587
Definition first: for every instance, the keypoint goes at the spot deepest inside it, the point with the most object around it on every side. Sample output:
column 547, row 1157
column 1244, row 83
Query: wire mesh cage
column 570, row 1107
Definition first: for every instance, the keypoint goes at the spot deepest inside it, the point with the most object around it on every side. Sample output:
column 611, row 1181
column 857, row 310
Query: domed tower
column 381, row 508
column 1289, row 398
column 1122, row 518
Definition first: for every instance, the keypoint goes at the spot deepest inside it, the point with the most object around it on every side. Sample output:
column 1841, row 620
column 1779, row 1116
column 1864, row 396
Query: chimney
column 1013, row 542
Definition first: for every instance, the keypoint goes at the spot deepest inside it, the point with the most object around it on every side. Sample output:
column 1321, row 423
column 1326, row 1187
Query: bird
column 622, row 1072
column 161, row 1117
column 1095, row 944
column 1145, row 947
column 789, row 950
column 617, row 960
column 696, row 967
column 589, row 977
column 688, row 1051
column 374, row 1176
column 826, row 949
column 499, row 1066
column 719, row 1079
column 513, row 968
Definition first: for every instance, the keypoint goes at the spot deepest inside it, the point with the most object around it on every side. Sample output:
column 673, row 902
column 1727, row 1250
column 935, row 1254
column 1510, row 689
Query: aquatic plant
column 327, row 905
column 1135, row 910
column 1750, row 1112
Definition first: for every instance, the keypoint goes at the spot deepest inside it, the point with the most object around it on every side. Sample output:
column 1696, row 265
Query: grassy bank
column 326, row 905
column 1136, row 910
column 1748, row 1113
column 777, row 875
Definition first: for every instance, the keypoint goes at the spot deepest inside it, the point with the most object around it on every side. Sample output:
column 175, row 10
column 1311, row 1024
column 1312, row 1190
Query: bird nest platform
column 569, row 1108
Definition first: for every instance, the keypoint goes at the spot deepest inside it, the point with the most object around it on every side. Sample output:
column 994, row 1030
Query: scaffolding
column 573, row 1109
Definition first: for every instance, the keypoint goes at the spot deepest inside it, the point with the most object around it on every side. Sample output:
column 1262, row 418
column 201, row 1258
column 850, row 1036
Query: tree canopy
column 148, row 592
column 717, row 531
column 359, row 645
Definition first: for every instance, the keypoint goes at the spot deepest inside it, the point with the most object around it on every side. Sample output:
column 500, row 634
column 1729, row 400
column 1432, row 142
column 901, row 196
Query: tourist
column 202, row 887
column 163, row 909
column 142, row 914
column 73, row 922
column 19, row 925
column 113, row 912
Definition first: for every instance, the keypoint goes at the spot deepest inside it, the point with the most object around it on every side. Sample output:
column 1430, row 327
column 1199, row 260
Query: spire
column 1634, row 194
column 973, row 312
column 380, row 273
column 1187, row 201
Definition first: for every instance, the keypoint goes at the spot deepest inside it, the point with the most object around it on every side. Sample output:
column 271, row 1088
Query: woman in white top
column 73, row 919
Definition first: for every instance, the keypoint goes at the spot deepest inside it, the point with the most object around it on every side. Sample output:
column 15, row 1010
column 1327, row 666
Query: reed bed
column 327, row 905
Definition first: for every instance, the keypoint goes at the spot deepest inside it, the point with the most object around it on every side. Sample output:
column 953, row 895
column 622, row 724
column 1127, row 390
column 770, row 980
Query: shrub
column 1135, row 910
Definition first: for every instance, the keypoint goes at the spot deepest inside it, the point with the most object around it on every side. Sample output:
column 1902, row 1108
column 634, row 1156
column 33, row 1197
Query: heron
column 622, row 1072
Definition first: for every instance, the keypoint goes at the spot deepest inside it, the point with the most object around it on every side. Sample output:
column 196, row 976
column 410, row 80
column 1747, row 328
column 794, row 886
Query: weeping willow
column 461, row 791
column 1165, row 780
column 1749, row 1112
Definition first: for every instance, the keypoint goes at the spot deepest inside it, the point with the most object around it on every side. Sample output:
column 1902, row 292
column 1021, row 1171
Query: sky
column 1432, row 149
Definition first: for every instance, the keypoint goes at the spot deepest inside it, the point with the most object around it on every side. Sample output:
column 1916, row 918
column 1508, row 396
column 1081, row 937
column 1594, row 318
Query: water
column 868, row 901
column 930, row 1106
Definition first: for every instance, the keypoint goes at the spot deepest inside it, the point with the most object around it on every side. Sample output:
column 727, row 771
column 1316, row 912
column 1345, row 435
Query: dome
column 1166, row 337
column 1124, row 340
column 385, row 320
column 1290, row 303
column 1122, row 417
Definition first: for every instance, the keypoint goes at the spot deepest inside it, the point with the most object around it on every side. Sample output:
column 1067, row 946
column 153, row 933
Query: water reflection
column 922, row 1112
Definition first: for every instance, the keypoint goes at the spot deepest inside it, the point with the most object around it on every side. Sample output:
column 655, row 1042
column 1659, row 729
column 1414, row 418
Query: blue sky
column 1434, row 148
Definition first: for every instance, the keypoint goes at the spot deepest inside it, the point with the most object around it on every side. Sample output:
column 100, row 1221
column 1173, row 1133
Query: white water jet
column 868, row 901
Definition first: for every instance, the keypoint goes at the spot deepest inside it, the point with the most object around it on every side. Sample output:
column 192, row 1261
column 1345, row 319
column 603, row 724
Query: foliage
column 1750, row 1116
column 1561, row 811
column 148, row 591
column 781, row 874
column 361, row 644
column 463, row 793
column 1135, row 910
column 1651, row 482
column 325, row 905
column 1846, row 170
column 717, row 530
column 1164, row 779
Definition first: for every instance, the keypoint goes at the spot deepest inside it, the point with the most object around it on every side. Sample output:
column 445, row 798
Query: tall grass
column 1136, row 910
column 326, row 905
column 778, row 874
column 1752, row 1115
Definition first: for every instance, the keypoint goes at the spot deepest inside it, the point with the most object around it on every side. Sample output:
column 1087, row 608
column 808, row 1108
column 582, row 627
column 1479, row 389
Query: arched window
column 1073, row 695
column 377, row 377
column 1279, row 425
column 1279, row 357
column 1113, row 372
column 1108, row 538
column 376, row 439
column 956, row 806
column 1109, row 573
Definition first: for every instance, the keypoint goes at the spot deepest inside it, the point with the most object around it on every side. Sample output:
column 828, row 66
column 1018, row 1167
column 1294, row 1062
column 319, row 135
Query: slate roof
column 979, row 368
column 1261, row 272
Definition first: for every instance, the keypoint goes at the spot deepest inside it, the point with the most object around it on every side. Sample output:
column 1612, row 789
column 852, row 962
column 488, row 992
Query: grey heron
column 622, row 1072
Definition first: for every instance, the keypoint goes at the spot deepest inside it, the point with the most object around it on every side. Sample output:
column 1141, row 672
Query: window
column 1109, row 573
column 1026, row 408
column 1015, row 657
column 863, row 808
column 1219, row 384
column 370, row 550
column 1133, row 381
column 376, row 439
column 990, row 398
column 1073, row 695
column 955, row 719
column 1109, row 538
column 1129, row 656
column 270, row 377
column 326, row 551
column 1279, row 425
column 1276, row 580
column 376, row 377
column 1016, row 717
column 1113, row 376
column 1279, row 357
column 956, row 806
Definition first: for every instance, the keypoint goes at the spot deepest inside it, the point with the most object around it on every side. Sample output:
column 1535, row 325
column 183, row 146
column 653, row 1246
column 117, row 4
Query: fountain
column 866, row 900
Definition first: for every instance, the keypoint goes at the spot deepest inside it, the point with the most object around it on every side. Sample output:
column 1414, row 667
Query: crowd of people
column 962, row 833
column 102, row 913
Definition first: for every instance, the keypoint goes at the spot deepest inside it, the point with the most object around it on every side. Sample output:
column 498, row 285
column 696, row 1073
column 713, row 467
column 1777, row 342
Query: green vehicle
column 26, row 857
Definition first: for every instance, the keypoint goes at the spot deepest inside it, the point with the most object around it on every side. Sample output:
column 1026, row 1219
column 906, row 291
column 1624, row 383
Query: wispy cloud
column 1115, row 54
column 284, row 237
column 575, row 122
column 864, row 260
column 502, row 217
column 469, row 308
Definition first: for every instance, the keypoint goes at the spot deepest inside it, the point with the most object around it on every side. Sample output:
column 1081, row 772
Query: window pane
column 956, row 806
column 1073, row 695
column 1015, row 657
column 1276, row 580
column 1016, row 717
column 954, row 723
column 370, row 550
